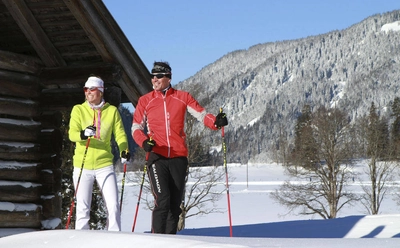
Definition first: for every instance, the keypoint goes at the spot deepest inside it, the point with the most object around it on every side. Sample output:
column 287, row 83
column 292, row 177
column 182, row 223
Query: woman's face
column 93, row 95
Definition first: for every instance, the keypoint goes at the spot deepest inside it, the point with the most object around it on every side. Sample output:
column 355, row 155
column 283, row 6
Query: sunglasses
column 91, row 89
column 159, row 75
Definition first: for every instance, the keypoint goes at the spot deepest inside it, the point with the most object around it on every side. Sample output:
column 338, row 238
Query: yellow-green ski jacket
column 107, row 121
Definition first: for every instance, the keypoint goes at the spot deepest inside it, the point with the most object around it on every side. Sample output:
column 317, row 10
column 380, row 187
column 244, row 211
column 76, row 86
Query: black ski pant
column 167, row 180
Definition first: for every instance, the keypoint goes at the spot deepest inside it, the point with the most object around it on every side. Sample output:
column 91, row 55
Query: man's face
column 160, row 81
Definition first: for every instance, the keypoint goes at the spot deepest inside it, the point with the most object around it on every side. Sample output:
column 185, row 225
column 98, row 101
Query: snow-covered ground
column 257, row 222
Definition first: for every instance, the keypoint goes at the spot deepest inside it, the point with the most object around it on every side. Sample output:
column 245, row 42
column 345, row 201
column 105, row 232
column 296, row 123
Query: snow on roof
column 23, row 184
column 51, row 223
column 15, row 164
column 17, row 144
column 27, row 101
column 9, row 206
column 21, row 122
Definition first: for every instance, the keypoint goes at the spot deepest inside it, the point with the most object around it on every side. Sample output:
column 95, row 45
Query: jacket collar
column 168, row 91
column 99, row 106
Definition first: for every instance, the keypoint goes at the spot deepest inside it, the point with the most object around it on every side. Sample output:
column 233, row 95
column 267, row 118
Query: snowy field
column 257, row 222
column 250, row 202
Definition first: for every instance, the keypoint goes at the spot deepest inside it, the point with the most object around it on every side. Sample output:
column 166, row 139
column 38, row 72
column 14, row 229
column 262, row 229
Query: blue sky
column 192, row 34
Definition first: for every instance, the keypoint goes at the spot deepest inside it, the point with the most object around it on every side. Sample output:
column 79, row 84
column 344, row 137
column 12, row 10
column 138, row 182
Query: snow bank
column 394, row 26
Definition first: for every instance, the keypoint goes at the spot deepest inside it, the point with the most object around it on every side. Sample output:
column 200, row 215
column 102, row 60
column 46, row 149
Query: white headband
column 95, row 82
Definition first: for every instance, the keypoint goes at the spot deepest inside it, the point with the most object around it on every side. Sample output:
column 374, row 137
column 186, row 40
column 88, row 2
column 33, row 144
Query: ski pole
column 71, row 208
column 122, row 189
column 226, row 176
column 140, row 192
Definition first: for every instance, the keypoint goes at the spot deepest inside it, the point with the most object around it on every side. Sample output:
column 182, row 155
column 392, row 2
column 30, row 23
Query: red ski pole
column 71, row 208
column 226, row 176
column 140, row 192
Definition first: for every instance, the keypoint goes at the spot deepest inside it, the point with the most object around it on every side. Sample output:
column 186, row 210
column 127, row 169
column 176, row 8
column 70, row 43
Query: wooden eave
column 62, row 42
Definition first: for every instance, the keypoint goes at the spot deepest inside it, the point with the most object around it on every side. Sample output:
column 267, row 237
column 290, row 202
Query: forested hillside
column 264, row 88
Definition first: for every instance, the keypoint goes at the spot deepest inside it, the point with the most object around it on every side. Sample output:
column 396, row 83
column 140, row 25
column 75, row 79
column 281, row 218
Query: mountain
column 263, row 89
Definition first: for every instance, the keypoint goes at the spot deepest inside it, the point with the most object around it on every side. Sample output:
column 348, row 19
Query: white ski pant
column 107, row 183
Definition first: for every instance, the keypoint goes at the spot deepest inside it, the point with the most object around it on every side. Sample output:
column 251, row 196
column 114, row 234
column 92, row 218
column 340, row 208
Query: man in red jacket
column 162, row 113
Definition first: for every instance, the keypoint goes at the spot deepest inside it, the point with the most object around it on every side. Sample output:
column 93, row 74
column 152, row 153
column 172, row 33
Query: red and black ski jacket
column 164, row 116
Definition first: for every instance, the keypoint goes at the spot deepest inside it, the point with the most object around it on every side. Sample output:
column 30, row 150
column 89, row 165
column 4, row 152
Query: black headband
column 161, row 69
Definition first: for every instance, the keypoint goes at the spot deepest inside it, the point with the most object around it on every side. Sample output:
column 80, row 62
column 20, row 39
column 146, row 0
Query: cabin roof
column 62, row 42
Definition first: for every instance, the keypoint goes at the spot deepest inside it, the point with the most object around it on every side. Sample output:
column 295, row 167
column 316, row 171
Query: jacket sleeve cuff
column 83, row 137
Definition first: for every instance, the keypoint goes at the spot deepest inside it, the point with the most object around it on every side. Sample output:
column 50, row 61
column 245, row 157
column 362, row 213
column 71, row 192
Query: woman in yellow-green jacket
column 93, row 122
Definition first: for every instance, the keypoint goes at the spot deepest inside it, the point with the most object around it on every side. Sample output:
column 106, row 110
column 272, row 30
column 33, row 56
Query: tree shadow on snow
column 331, row 228
column 374, row 232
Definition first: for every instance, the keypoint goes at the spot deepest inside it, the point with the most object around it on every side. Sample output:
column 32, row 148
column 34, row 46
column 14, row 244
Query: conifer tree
column 395, row 129
column 380, row 167
column 305, row 153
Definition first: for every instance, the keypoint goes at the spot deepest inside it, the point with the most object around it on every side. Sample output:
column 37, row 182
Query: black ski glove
column 125, row 156
column 88, row 132
column 221, row 120
column 148, row 145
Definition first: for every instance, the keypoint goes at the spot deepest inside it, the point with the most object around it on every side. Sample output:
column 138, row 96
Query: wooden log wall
column 30, row 147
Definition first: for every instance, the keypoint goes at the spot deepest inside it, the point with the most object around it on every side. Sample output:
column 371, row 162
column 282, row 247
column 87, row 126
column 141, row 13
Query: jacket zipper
column 167, row 125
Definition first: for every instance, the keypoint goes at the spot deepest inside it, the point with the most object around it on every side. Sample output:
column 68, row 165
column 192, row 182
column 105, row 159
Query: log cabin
column 48, row 48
